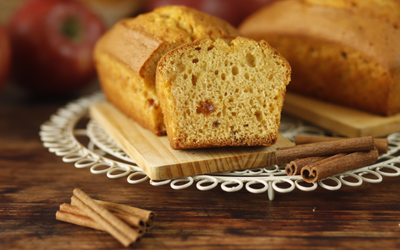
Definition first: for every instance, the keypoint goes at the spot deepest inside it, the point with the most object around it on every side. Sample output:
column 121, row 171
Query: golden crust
column 126, row 57
column 338, row 51
column 385, row 10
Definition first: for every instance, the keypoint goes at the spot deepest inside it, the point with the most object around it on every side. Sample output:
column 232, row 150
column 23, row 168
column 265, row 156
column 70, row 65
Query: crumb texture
column 217, row 93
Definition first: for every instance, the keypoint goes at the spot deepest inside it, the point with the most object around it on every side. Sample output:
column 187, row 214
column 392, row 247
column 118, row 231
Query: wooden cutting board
column 159, row 161
column 342, row 120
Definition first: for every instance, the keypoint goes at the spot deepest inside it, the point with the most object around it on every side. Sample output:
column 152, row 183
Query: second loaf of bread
column 341, row 51
column 222, row 93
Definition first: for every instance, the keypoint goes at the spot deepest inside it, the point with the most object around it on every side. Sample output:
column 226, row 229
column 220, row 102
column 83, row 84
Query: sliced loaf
column 127, row 55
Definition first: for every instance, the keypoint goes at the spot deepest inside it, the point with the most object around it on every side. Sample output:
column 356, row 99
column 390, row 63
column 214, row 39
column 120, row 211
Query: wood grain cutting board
column 159, row 161
column 342, row 120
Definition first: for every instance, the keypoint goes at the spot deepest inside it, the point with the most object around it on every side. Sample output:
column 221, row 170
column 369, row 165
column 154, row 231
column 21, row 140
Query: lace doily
column 62, row 135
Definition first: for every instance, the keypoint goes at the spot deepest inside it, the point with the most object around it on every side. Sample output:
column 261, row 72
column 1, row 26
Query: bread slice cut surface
column 222, row 93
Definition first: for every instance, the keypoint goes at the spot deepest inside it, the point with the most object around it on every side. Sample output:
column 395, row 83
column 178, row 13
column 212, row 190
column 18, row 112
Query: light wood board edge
column 166, row 163
column 342, row 120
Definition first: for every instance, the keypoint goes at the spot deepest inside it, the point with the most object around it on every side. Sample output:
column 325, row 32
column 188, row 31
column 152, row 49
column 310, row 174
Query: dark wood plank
column 34, row 182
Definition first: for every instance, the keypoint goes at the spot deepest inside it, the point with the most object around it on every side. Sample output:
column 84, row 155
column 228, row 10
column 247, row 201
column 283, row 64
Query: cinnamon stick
column 112, row 224
column 78, row 220
column 337, row 164
column 288, row 154
column 148, row 217
column 294, row 167
column 131, row 220
column 380, row 143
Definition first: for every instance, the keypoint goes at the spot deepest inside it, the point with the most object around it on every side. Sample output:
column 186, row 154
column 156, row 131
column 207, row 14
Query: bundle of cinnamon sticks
column 125, row 223
column 317, row 158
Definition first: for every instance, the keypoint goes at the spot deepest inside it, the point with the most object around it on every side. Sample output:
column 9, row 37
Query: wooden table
column 34, row 182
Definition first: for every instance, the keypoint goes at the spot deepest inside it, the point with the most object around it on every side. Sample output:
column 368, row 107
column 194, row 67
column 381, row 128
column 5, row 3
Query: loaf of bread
column 222, row 93
column 341, row 51
column 127, row 55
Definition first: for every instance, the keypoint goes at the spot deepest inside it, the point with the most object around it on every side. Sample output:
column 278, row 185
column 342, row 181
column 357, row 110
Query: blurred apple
column 5, row 55
column 52, row 44
column 233, row 11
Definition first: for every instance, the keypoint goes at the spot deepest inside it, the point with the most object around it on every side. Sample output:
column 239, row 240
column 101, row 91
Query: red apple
column 5, row 55
column 52, row 44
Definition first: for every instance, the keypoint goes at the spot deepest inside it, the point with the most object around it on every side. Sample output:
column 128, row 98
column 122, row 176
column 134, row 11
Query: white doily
column 61, row 135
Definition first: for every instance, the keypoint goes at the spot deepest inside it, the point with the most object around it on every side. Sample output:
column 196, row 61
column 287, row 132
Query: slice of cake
column 222, row 93
column 126, row 57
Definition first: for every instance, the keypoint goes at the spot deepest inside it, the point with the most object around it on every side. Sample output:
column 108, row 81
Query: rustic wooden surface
column 159, row 161
column 34, row 182
column 339, row 119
